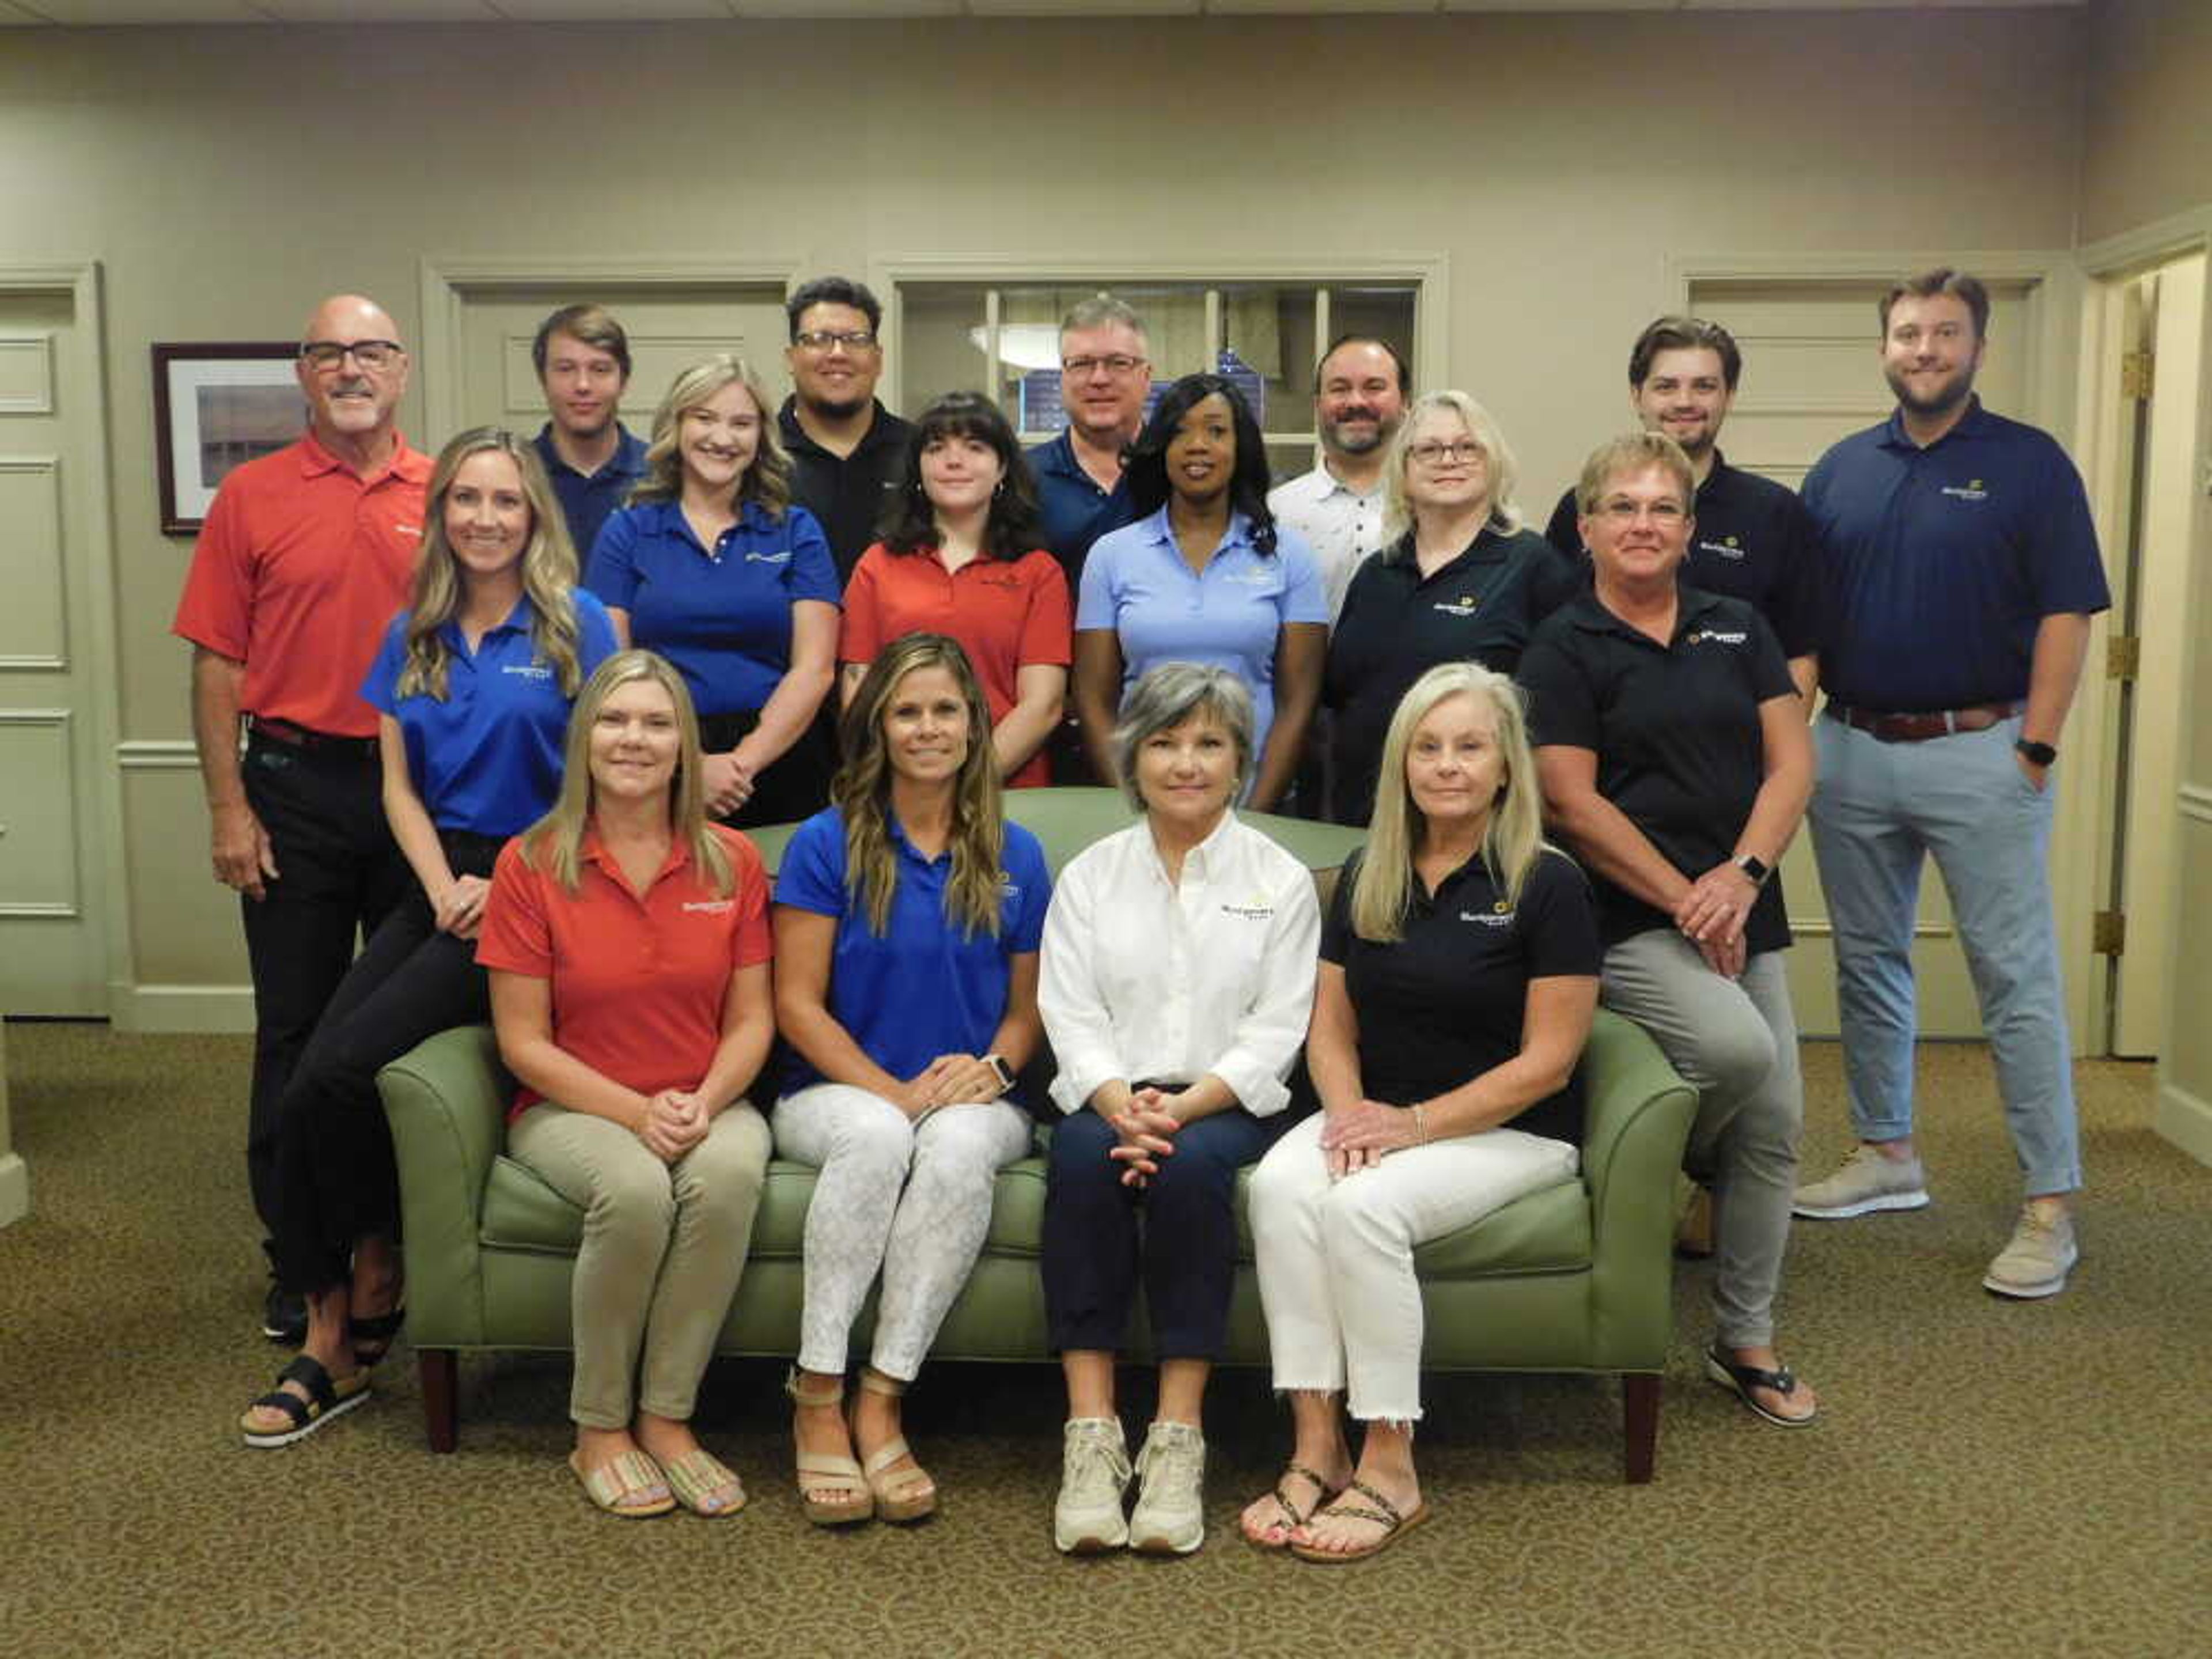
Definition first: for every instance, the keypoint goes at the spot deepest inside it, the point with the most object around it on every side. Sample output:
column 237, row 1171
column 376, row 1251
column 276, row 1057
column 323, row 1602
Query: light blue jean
column 1880, row 808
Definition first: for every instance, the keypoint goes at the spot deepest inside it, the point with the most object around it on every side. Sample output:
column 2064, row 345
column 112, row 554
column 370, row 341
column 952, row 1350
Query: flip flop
column 1384, row 1514
column 1324, row 1495
column 1741, row 1380
column 622, row 1477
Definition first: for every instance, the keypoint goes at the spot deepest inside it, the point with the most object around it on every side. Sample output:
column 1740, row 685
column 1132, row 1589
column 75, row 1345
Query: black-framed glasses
column 825, row 339
column 369, row 354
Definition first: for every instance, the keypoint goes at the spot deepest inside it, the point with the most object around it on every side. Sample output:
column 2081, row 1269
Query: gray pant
column 664, row 1245
column 1735, row 1043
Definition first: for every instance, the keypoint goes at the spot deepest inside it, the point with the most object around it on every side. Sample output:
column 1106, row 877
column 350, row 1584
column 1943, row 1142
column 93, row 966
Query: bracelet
column 1421, row 1128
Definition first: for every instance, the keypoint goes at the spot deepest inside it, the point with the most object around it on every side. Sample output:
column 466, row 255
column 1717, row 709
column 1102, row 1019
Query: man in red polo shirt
column 305, row 556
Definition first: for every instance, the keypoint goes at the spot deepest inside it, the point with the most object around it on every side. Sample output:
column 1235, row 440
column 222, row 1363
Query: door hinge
column 2122, row 656
column 2110, row 933
column 2138, row 369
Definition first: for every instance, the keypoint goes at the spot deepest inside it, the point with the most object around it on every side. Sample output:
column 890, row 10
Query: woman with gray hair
column 1176, row 980
column 1460, row 579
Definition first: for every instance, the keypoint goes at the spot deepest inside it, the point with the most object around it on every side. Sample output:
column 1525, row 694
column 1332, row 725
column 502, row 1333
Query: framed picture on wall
column 216, row 406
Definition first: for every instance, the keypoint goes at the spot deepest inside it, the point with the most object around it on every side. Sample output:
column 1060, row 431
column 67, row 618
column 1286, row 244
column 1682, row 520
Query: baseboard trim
column 196, row 1009
column 2186, row 1120
column 14, row 1187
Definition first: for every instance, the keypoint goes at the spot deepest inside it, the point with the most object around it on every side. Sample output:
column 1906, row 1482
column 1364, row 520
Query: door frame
column 105, row 877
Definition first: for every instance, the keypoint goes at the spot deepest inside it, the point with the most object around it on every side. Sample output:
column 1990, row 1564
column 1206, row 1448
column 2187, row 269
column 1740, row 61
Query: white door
column 52, row 953
column 669, row 330
column 1811, row 374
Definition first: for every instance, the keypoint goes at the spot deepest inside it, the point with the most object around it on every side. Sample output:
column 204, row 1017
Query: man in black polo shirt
column 582, row 357
column 1753, row 540
column 845, row 447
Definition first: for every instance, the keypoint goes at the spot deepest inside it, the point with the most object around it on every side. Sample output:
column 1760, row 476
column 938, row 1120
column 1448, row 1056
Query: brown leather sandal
column 1385, row 1515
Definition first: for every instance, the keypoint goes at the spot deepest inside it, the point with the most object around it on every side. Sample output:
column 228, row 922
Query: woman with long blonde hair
column 1459, row 968
column 907, row 920
column 632, row 1100
column 713, row 566
column 472, row 686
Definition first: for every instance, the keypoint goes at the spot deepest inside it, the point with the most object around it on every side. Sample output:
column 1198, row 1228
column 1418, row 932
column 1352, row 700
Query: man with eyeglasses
column 582, row 357
column 1753, row 541
column 845, row 447
column 303, row 560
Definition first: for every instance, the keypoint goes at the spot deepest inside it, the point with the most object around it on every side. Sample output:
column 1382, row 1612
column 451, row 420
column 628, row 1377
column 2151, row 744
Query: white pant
column 1336, row 1258
column 911, row 1199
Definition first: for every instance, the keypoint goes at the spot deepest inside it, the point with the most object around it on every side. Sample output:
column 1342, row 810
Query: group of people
column 526, row 790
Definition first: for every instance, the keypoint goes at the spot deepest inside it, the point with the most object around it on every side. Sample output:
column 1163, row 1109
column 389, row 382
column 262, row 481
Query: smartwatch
column 2039, row 754
column 999, row 1070
column 1755, row 867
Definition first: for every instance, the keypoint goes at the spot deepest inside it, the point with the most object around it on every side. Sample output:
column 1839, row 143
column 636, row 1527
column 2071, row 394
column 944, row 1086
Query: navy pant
column 338, row 876
column 337, row 1182
column 1180, row 1230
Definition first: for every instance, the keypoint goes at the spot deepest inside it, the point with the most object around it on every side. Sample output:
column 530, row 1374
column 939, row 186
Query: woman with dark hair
column 632, row 1105
column 713, row 566
column 907, row 920
column 472, row 686
column 960, row 555
column 1204, row 575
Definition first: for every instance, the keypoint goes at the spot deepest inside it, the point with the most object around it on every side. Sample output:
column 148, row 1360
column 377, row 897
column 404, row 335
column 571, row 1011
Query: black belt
column 300, row 737
column 1920, row 727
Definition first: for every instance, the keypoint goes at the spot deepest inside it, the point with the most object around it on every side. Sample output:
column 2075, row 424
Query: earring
column 998, row 489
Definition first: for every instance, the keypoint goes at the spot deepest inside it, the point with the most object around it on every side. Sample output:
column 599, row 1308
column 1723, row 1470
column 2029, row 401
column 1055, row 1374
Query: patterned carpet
column 1989, row 1478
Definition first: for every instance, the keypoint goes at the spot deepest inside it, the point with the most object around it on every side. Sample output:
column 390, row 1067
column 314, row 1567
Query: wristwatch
column 2040, row 754
column 999, row 1070
column 1755, row 867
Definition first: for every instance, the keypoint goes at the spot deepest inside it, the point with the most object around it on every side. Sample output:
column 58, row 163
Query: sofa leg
column 438, row 1369
column 1639, row 1403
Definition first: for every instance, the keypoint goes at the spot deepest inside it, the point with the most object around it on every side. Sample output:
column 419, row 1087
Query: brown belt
column 1919, row 727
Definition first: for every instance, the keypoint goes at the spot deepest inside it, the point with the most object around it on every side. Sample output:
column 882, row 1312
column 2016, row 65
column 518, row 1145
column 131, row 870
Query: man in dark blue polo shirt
column 583, row 364
column 1753, row 541
column 1960, row 570
column 846, row 448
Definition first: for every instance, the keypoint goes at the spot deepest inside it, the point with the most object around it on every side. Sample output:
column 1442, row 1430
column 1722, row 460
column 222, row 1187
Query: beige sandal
column 910, row 1494
column 621, row 1484
column 827, row 1471
column 698, row 1476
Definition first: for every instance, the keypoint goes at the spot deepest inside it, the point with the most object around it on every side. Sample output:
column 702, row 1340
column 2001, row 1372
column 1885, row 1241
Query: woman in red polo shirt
column 631, row 1105
column 962, row 555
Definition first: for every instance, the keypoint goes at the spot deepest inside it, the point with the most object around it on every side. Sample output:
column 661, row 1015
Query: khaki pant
column 664, row 1246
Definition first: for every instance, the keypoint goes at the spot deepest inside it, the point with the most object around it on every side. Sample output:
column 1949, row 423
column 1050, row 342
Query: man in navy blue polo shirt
column 1753, row 540
column 1960, row 572
column 583, row 364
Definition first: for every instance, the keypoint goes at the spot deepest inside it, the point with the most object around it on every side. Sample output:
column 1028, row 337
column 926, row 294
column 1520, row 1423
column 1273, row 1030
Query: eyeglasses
column 369, row 354
column 826, row 339
column 1436, row 454
column 1118, row 366
column 1621, row 510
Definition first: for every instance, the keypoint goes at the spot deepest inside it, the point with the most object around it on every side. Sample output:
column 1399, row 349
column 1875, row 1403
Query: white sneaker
column 1170, row 1518
column 2036, row 1261
column 1869, row 1180
column 1094, row 1475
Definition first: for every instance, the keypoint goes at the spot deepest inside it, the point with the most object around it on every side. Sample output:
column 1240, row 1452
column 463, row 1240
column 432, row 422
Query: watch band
column 1755, row 867
column 2041, row 753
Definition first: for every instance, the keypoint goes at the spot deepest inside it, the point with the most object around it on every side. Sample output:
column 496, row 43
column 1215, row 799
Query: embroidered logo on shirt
column 1251, row 578
column 407, row 530
column 784, row 558
column 1971, row 490
column 529, row 670
column 1008, row 887
column 1727, row 549
column 1715, row 636
column 709, row 906
column 1257, row 908
column 1498, row 916
column 1464, row 605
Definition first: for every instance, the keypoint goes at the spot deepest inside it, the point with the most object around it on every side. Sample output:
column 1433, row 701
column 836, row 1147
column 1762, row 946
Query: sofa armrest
column 1638, row 1118
column 446, row 1101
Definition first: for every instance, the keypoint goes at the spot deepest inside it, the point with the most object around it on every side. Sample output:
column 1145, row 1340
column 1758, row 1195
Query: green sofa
column 1576, row 1277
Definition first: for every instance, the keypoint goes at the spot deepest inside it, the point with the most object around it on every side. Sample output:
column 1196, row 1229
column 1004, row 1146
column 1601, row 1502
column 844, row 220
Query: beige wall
column 227, row 178
column 2148, row 149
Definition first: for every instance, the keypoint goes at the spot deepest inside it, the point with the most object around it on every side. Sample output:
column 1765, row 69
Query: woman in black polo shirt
column 1676, row 764
column 1458, row 972
column 1461, row 580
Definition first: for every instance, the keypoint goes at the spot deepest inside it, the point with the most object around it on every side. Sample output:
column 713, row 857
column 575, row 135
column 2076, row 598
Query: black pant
column 796, row 786
column 339, row 874
column 336, row 1180
column 1091, row 1243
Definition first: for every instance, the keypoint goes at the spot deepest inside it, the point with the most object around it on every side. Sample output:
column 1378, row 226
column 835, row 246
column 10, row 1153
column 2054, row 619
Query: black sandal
column 372, row 1337
column 1741, row 1380
column 326, row 1399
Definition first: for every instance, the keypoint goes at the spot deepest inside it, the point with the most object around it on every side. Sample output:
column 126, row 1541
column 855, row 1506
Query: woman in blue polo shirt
column 907, row 920
column 713, row 566
column 1204, row 575
column 473, row 686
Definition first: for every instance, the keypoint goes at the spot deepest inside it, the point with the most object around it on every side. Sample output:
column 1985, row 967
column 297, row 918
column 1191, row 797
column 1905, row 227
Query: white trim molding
column 42, row 404
column 199, row 1010
column 14, row 1187
column 2195, row 800
column 157, row 755
column 2186, row 1119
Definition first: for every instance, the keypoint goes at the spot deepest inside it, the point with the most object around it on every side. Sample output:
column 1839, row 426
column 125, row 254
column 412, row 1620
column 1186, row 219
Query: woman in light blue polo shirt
column 713, row 566
column 473, row 686
column 907, row 920
column 1204, row 575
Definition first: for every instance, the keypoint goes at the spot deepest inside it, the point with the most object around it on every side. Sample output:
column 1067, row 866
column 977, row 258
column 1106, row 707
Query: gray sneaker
column 2037, row 1260
column 1870, row 1180
column 1170, row 1518
column 1094, row 1474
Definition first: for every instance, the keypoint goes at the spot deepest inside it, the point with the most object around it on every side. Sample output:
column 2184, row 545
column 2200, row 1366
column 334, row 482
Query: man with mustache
column 846, row 448
column 1753, row 541
column 1960, row 570
column 582, row 357
column 1360, row 388
column 304, row 558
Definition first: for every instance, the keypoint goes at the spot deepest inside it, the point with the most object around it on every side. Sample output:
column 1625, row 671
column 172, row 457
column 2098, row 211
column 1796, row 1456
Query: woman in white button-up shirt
column 1176, row 980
